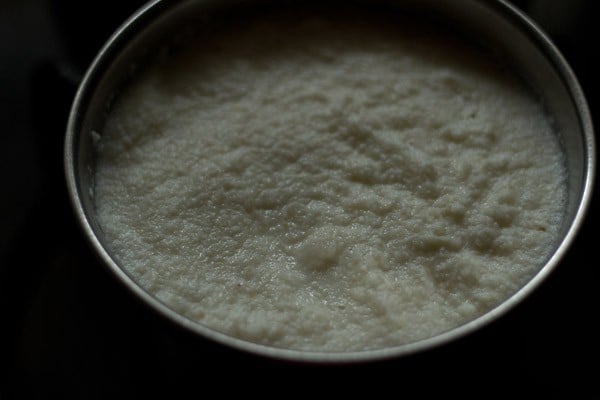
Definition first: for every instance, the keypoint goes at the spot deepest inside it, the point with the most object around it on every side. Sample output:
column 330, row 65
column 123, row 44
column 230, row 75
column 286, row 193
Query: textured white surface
column 329, row 186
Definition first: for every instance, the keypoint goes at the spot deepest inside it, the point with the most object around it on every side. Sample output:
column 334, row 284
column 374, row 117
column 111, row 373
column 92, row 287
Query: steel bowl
column 495, row 23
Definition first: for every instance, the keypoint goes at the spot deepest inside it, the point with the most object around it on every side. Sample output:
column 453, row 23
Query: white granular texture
column 329, row 186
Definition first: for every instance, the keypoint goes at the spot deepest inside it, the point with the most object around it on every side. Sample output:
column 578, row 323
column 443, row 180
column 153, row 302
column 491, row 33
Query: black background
column 69, row 330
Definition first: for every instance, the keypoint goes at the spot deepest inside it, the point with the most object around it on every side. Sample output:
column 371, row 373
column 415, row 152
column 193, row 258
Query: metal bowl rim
column 153, row 8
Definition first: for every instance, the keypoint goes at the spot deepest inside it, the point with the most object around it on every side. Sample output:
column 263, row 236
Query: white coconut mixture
column 329, row 186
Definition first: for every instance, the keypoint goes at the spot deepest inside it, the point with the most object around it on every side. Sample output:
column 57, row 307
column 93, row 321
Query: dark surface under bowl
column 71, row 330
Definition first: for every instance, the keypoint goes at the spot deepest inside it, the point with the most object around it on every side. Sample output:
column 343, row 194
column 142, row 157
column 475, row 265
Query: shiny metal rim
column 154, row 8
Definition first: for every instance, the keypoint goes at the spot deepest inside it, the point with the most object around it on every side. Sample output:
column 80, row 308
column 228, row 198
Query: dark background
column 69, row 330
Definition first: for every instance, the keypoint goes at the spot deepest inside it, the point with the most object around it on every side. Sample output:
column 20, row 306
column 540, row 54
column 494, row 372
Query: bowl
column 496, row 24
